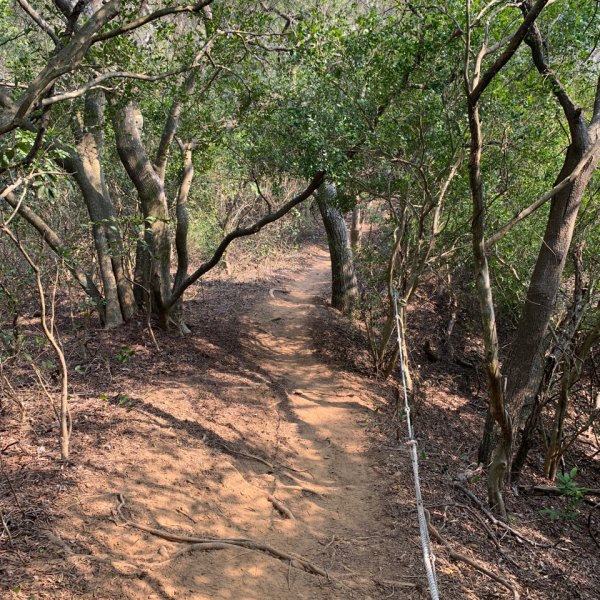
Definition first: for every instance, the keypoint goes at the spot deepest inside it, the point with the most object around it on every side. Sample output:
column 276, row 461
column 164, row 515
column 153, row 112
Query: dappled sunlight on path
column 281, row 457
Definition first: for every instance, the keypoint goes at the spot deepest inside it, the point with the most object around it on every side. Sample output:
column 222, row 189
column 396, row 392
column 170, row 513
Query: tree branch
column 94, row 83
column 55, row 243
column 66, row 60
column 535, row 41
column 141, row 21
column 543, row 199
column 242, row 232
column 40, row 21
column 172, row 123
column 511, row 48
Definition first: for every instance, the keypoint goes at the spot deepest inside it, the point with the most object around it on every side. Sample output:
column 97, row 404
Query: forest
column 299, row 299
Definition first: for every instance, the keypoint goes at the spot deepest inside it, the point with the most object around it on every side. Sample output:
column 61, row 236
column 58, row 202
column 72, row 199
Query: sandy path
column 308, row 420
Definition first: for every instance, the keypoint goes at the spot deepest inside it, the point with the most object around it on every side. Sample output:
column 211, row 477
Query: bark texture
column 527, row 354
column 497, row 408
column 153, row 277
column 87, row 168
column 344, row 287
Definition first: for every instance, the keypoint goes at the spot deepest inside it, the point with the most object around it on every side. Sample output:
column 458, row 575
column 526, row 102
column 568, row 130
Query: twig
column 469, row 561
column 490, row 533
column 496, row 521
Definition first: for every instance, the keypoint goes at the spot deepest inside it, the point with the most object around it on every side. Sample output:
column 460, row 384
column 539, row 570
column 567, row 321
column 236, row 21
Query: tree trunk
column 565, row 336
column 181, row 231
column 502, row 451
column 528, row 344
column 155, row 254
column 88, row 171
column 356, row 230
column 344, row 287
column 489, row 438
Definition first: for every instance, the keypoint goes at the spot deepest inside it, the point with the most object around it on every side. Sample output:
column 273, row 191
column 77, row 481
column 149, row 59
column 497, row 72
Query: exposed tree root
column 469, row 561
column 301, row 488
column 209, row 543
column 248, row 456
column 281, row 507
column 259, row 459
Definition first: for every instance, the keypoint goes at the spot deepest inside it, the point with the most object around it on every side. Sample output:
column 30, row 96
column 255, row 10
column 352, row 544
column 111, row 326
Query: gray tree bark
column 344, row 287
column 524, row 367
column 155, row 254
column 87, row 168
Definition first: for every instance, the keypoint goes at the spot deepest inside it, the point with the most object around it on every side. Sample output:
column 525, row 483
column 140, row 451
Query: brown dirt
column 169, row 432
column 287, row 380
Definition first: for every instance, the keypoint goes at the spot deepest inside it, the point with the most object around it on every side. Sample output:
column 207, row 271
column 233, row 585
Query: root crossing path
column 265, row 455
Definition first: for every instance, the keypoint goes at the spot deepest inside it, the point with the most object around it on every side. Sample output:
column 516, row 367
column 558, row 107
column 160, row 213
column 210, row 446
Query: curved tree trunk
column 155, row 254
column 344, row 287
column 87, row 169
column 523, row 366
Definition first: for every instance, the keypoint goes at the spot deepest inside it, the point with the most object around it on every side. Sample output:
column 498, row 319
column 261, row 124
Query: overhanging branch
column 141, row 21
column 243, row 232
column 509, row 51
column 594, row 149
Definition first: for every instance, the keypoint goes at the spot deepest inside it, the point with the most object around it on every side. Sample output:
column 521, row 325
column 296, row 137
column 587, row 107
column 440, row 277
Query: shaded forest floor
column 265, row 424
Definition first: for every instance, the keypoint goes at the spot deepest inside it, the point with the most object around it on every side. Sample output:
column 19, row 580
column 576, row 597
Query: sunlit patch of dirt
column 241, row 431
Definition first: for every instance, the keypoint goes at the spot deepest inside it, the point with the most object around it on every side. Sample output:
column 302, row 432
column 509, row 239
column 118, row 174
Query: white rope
column 428, row 556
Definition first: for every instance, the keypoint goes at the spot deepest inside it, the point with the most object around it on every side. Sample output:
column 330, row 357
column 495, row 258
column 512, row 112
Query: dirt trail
column 183, row 464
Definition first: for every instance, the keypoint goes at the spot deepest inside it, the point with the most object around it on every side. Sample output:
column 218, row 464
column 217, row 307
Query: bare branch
column 511, row 48
column 40, row 21
column 242, row 232
column 141, row 21
column 485, row 10
column 543, row 199
column 95, row 83
column 56, row 244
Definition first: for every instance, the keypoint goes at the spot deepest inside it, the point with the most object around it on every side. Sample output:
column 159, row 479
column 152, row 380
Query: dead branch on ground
column 469, row 561
column 496, row 521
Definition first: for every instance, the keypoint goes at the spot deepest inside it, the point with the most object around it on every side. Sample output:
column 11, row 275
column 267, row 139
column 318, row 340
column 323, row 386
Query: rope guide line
column 428, row 556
